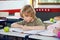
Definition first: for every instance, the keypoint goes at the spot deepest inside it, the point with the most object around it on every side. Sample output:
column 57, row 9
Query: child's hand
column 25, row 28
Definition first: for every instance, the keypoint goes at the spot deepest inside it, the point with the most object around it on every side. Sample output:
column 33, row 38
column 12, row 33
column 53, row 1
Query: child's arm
column 16, row 25
column 33, row 28
column 38, row 26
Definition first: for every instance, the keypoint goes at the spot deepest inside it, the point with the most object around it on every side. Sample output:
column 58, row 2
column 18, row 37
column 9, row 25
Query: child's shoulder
column 38, row 19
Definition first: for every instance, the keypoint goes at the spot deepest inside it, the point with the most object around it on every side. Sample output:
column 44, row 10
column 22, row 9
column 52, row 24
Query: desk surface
column 17, row 34
column 43, row 37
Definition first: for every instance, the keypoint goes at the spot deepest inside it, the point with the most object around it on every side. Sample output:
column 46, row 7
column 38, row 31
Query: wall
column 49, row 6
column 46, row 6
column 13, row 4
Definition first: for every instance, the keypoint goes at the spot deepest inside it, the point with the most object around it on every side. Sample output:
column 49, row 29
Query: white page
column 47, row 33
column 42, row 32
column 28, row 31
column 16, row 30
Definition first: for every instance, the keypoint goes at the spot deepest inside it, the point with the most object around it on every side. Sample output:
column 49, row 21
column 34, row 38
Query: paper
column 33, row 31
column 47, row 33
column 28, row 32
column 41, row 32
column 16, row 30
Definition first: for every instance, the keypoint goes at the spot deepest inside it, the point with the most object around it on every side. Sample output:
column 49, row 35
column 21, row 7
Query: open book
column 41, row 32
column 28, row 31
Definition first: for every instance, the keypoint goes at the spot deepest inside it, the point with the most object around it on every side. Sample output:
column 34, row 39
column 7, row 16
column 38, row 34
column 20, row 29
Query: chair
column 3, row 22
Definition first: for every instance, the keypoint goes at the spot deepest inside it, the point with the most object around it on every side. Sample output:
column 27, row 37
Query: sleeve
column 20, row 22
column 39, row 22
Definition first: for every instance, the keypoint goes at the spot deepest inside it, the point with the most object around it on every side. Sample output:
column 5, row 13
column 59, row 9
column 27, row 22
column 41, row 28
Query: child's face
column 27, row 18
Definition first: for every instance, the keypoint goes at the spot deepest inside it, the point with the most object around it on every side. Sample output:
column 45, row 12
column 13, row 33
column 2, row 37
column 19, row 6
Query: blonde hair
column 29, row 9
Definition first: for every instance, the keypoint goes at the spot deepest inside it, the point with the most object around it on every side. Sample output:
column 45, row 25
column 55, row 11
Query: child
column 30, row 22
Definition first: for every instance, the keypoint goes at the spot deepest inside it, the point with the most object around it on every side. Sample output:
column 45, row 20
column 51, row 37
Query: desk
column 31, row 36
column 43, row 37
column 12, row 34
column 47, row 23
